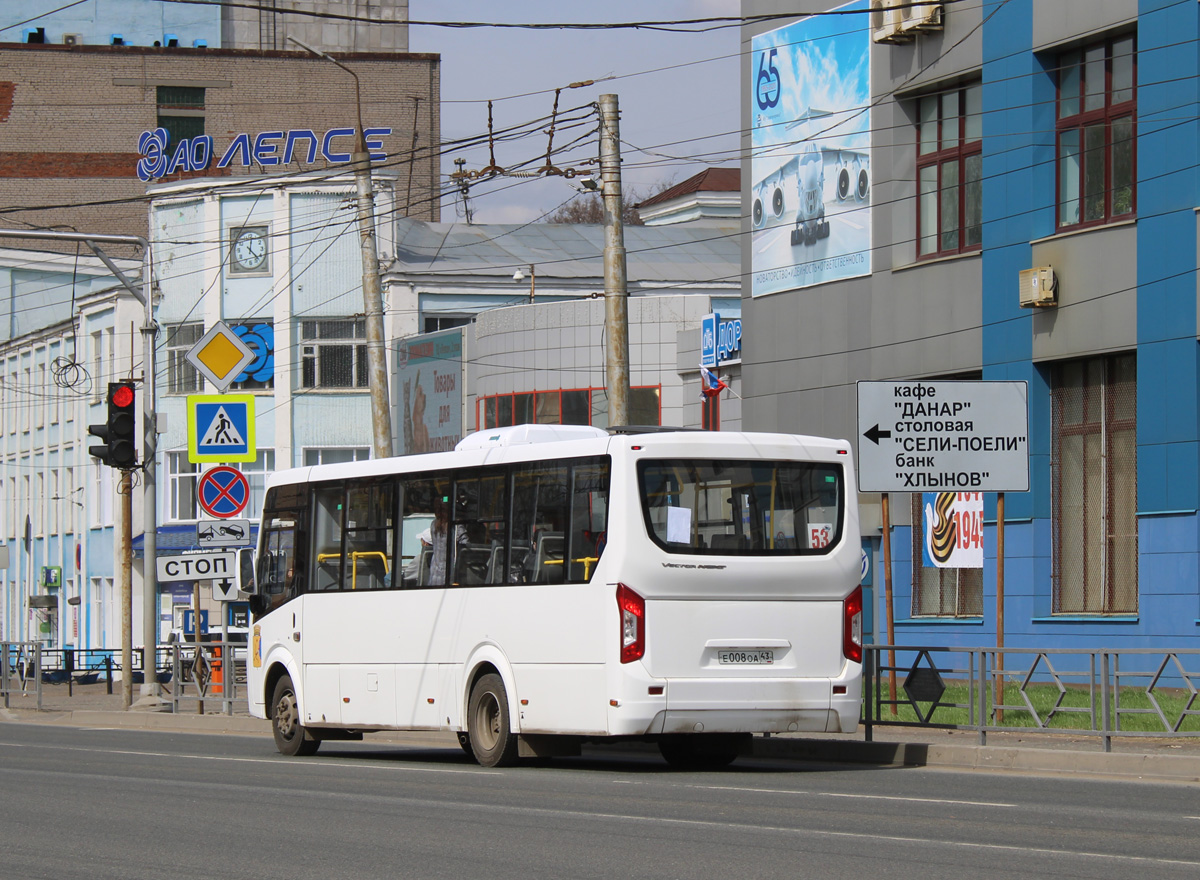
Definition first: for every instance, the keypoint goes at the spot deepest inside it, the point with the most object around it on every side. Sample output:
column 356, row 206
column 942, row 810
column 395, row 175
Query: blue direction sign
column 221, row 428
column 223, row 492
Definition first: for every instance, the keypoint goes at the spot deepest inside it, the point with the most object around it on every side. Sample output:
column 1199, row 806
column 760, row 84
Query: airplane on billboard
column 804, row 177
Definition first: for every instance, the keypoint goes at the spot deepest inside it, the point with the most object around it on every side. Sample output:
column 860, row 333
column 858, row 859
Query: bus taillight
column 633, row 624
column 852, row 608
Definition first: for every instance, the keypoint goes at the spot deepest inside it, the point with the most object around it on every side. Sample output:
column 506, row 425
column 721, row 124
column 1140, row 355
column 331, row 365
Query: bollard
column 108, row 673
column 216, row 684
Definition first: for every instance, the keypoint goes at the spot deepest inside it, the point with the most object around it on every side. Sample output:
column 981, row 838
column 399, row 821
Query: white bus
column 542, row 586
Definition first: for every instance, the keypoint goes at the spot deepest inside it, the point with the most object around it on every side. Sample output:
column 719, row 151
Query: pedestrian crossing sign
column 220, row 428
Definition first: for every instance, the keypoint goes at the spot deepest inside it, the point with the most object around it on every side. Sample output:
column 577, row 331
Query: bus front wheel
column 492, row 741
column 290, row 736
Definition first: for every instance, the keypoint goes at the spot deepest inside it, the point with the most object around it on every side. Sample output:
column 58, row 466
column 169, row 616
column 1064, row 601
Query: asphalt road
column 105, row 803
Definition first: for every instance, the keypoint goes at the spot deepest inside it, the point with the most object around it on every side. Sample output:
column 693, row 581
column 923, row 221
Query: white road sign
column 223, row 533
column 207, row 566
column 225, row 589
column 943, row 436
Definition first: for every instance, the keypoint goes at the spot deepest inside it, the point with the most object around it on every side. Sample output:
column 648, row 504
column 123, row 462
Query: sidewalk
column 1150, row 758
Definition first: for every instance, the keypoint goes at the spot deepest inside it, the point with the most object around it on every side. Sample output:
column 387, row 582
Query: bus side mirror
column 246, row 571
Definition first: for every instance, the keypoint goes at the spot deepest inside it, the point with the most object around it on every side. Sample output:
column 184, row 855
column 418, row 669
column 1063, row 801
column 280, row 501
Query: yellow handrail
column 587, row 561
column 354, row 557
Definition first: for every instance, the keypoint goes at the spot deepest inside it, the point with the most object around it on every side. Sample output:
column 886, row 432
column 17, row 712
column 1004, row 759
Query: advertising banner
column 429, row 380
column 810, row 163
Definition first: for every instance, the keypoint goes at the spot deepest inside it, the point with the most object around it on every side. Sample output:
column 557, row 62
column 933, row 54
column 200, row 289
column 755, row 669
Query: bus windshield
column 755, row 508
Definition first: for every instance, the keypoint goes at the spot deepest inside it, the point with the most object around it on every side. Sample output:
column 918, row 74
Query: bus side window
column 589, row 520
column 275, row 579
column 540, row 511
column 370, row 536
column 327, row 538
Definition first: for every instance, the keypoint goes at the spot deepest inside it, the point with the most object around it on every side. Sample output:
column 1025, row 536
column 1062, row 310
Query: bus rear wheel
column 290, row 736
column 702, row 751
column 492, row 741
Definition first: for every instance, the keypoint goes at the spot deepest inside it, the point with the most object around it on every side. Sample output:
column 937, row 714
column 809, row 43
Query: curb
column 136, row 719
column 1178, row 768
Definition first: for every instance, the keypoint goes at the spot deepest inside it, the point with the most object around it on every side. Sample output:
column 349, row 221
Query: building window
column 950, row 172
column 710, row 413
column 102, row 494
column 183, row 481
column 181, row 112
column 585, row 406
column 1096, row 133
column 332, row 355
column 433, row 323
column 98, row 372
column 256, row 473
column 182, row 377
column 941, row 592
column 1094, row 465
column 336, row 455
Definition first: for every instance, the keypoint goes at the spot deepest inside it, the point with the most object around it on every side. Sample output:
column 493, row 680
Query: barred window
column 332, row 355
column 942, row 592
column 1094, row 463
column 182, row 377
column 1097, row 108
column 180, row 112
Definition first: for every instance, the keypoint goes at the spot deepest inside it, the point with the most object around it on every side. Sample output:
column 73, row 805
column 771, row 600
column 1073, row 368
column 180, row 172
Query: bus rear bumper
column 743, row 706
column 748, row 721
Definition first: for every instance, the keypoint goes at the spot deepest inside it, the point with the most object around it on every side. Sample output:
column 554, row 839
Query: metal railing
column 21, row 670
column 25, row 667
column 208, row 672
column 1102, row 693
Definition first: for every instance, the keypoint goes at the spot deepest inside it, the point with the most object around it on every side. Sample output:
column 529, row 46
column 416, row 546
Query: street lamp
column 381, row 421
column 519, row 276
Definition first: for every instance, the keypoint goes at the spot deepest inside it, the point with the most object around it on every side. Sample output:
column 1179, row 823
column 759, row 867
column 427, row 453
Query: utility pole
column 381, row 417
column 616, row 289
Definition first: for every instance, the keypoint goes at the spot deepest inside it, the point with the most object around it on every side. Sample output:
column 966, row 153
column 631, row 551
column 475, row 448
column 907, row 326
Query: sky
column 678, row 93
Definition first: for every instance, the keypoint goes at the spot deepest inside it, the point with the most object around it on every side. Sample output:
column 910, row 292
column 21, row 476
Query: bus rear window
column 754, row 508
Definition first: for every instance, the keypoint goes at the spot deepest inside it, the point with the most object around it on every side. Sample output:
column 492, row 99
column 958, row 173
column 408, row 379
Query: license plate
column 746, row 658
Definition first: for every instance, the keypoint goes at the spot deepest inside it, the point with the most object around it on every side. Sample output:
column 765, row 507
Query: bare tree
column 589, row 207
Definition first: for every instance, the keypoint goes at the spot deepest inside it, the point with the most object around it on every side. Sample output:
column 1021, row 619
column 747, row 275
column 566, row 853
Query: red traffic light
column 122, row 396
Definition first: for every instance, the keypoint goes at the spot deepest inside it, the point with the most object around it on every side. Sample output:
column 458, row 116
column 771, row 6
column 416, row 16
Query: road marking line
column 834, row 794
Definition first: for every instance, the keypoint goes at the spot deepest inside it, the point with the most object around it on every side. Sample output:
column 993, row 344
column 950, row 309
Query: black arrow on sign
column 873, row 434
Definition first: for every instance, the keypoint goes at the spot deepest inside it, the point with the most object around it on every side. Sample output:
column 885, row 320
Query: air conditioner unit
column 1039, row 287
column 886, row 20
column 72, row 39
column 922, row 17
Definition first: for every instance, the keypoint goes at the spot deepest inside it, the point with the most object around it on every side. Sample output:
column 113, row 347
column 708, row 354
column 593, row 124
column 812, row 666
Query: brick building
column 71, row 118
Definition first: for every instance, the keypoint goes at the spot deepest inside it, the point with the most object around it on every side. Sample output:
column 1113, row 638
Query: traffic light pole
column 150, row 442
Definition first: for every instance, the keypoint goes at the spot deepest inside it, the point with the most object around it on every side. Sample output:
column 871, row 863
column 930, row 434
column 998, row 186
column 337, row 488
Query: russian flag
column 712, row 384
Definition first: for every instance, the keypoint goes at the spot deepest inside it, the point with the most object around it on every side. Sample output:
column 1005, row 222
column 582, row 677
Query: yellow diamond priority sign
column 220, row 356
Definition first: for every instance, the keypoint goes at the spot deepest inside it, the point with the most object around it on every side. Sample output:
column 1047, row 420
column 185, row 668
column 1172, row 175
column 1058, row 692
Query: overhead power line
column 678, row 25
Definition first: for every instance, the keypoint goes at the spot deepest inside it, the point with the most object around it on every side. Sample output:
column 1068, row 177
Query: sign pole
column 196, row 636
column 887, row 592
column 125, row 491
column 999, row 698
